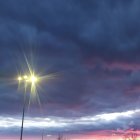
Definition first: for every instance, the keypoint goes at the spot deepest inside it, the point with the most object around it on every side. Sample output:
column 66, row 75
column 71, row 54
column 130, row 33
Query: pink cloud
column 123, row 66
column 106, row 135
column 132, row 89
column 91, row 64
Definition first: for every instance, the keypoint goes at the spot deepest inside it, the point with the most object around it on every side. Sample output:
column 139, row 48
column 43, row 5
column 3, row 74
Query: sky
column 90, row 48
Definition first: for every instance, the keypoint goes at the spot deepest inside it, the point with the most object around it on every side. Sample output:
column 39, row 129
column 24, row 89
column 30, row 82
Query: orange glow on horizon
column 106, row 135
column 96, row 135
column 71, row 137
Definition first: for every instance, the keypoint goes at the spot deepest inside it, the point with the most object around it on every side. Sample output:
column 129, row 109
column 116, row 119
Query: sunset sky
column 92, row 50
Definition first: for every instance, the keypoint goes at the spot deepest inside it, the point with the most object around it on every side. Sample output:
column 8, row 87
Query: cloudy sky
column 92, row 49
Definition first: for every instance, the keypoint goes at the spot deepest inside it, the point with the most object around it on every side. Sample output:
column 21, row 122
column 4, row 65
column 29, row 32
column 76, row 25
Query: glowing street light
column 19, row 78
column 30, row 80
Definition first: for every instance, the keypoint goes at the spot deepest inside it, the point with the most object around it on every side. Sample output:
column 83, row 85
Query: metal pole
column 23, row 114
column 42, row 136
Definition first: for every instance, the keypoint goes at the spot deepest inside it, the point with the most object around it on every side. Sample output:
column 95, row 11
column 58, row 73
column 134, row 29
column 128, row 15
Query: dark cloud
column 92, row 45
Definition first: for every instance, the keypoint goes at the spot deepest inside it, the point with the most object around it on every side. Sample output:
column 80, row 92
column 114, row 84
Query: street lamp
column 30, row 80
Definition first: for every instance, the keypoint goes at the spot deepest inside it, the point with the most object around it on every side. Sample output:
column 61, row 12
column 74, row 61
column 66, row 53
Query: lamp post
column 30, row 80
column 23, row 114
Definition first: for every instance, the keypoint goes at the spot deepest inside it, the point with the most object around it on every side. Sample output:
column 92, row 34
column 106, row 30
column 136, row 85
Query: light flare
column 30, row 80
column 25, row 77
column 19, row 78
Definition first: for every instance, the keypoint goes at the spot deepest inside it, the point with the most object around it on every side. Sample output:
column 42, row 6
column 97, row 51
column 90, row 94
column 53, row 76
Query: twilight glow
column 78, row 61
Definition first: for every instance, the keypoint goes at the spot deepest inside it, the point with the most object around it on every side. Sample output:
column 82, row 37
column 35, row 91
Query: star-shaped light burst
column 30, row 80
